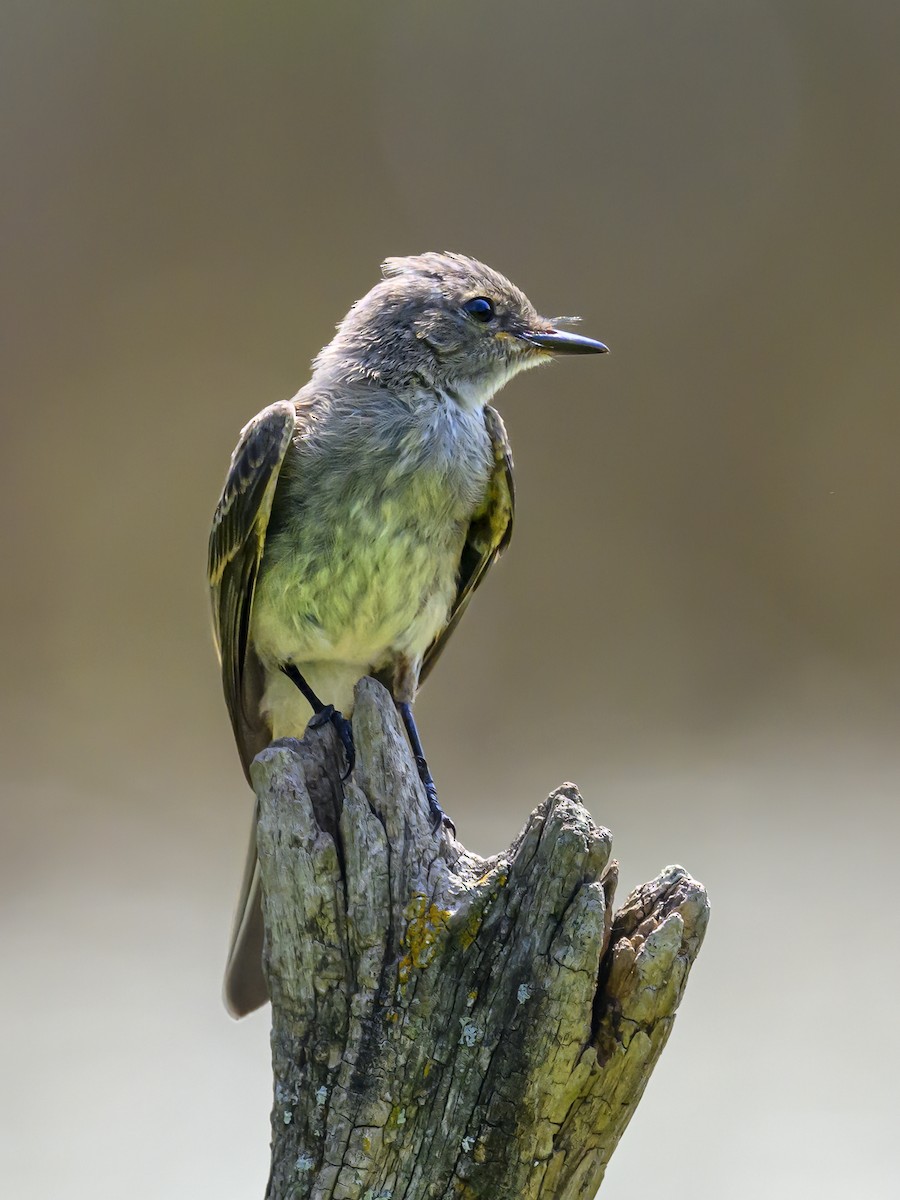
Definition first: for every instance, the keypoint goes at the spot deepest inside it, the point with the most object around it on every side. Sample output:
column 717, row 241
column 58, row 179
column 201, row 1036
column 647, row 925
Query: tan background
column 698, row 619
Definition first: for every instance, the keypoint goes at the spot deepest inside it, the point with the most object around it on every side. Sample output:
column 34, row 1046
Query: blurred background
column 697, row 620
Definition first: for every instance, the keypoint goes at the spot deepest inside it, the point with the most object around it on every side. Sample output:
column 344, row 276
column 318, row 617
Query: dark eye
column 480, row 308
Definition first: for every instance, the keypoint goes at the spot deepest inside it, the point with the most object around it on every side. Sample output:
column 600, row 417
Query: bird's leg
column 323, row 713
column 437, row 813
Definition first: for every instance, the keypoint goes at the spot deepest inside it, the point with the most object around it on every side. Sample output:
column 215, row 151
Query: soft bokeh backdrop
column 698, row 618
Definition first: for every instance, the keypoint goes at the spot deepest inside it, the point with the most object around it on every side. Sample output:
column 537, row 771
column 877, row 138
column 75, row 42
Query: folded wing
column 236, row 545
column 488, row 535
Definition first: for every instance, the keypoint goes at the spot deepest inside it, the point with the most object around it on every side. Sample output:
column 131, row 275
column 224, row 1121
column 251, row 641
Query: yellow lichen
column 425, row 925
column 469, row 931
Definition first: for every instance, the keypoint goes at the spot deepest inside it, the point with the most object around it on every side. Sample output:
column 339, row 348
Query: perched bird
column 358, row 518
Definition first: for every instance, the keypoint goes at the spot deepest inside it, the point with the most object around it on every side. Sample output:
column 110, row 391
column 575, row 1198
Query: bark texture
column 446, row 1025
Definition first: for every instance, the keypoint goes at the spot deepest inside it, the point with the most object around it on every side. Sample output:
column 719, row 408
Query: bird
column 358, row 518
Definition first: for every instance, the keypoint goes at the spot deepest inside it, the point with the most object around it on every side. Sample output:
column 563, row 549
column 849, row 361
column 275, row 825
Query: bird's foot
column 438, row 816
column 328, row 714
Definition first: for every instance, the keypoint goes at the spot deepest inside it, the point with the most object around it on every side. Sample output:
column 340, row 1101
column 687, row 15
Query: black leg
column 323, row 714
column 437, row 813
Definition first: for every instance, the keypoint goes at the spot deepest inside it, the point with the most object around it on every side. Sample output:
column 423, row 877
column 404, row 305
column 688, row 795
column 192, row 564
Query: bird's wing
column 236, row 544
column 488, row 534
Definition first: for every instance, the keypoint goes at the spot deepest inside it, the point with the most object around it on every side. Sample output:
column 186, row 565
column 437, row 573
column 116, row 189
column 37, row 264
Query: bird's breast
column 362, row 557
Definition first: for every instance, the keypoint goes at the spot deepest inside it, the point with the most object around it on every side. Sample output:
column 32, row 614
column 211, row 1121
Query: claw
column 439, row 818
column 437, row 813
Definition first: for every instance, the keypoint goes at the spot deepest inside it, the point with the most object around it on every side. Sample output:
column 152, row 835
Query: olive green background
column 697, row 620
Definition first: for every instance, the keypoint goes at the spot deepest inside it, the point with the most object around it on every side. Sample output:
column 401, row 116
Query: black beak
column 562, row 342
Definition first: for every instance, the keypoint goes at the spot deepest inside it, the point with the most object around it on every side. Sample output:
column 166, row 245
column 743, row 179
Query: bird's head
column 448, row 323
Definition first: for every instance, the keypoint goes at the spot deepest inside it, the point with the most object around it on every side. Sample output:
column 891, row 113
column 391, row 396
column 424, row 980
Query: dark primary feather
column 488, row 535
column 236, row 545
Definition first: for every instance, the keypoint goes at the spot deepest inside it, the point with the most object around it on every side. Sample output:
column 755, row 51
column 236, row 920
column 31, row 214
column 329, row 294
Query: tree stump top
column 446, row 1025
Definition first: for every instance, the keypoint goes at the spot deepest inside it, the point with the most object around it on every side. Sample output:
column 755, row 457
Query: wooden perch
column 446, row 1025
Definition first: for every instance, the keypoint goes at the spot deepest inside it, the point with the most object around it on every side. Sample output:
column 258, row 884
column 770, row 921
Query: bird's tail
column 244, row 988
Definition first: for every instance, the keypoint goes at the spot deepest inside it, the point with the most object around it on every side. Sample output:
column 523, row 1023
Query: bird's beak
column 559, row 341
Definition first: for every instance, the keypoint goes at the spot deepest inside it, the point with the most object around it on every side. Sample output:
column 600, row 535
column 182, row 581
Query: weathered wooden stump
column 445, row 1025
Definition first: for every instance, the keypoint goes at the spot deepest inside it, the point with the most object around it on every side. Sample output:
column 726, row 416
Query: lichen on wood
column 445, row 1025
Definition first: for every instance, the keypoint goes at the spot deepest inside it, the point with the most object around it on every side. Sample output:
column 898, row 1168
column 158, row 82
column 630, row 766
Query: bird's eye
column 480, row 308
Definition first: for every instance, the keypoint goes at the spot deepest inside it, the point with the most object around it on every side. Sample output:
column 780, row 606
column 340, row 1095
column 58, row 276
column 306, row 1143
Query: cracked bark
column 445, row 1025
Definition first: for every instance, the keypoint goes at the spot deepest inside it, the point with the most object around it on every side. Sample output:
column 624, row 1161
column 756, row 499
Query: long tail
column 244, row 988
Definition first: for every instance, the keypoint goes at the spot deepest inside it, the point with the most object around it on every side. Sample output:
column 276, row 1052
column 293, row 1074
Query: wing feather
column 236, row 544
column 488, row 536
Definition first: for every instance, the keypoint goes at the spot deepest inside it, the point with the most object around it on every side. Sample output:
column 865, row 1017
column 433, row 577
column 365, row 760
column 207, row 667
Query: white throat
column 472, row 394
